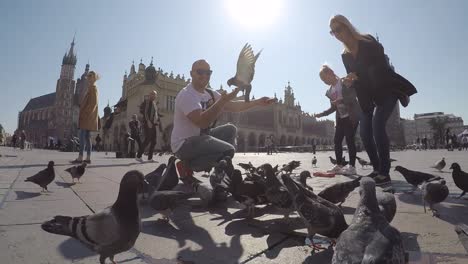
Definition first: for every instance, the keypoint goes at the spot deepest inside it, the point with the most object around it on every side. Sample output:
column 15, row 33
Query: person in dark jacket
column 150, row 122
column 377, row 87
column 343, row 102
column 134, row 126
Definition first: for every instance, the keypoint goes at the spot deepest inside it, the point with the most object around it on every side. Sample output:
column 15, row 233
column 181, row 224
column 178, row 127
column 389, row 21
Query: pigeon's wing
column 102, row 228
column 80, row 170
column 39, row 177
column 246, row 65
column 462, row 231
column 385, row 247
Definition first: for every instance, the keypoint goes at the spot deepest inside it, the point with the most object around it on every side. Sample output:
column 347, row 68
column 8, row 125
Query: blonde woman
column 377, row 87
column 88, row 119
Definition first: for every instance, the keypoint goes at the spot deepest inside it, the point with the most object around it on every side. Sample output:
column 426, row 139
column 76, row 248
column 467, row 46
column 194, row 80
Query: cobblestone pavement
column 200, row 235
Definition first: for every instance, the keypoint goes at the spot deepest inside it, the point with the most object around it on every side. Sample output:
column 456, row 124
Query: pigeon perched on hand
column 111, row 231
column 321, row 216
column 77, row 171
column 439, row 165
column 338, row 192
column 460, row 178
column 44, row 177
column 369, row 238
column 166, row 201
column 245, row 71
column 314, row 162
column 434, row 192
column 416, row 178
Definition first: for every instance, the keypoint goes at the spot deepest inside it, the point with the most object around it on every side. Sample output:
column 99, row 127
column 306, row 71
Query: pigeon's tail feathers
column 61, row 225
column 69, row 170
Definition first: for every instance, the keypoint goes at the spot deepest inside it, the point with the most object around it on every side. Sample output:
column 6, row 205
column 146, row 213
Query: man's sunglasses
column 335, row 31
column 202, row 72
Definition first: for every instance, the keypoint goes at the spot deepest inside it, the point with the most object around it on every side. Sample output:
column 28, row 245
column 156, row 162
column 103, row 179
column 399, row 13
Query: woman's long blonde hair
column 345, row 22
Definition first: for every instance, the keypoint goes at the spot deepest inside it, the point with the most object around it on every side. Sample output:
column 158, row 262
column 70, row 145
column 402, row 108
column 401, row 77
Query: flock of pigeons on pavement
column 369, row 238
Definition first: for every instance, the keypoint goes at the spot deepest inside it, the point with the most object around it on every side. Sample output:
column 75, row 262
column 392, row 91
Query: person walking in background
column 424, row 141
column 14, row 140
column 343, row 102
column 22, row 139
column 269, row 145
column 88, row 118
column 98, row 141
column 134, row 126
column 378, row 87
column 150, row 122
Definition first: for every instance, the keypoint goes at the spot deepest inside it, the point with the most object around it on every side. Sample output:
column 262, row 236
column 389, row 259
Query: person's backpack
column 206, row 130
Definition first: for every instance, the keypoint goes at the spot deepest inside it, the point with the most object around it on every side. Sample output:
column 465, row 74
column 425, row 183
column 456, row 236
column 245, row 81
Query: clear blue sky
column 426, row 41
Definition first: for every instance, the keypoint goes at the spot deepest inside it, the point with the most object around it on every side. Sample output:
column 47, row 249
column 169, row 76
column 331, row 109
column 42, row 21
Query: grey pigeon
column 111, row 231
column 303, row 179
column 204, row 192
column 460, row 178
column 314, row 162
column 369, row 238
column 217, row 181
column 415, row 178
column 166, row 201
column 434, row 193
column 387, row 204
column 320, row 216
column 439, row 165
column 292, row 165
column 245, row 71
column 154, row 178
column 247, row 167
column 332, row 160
column 248, row 193
column 363, row 162
column 44, row 177
column 77, row 171
column 276, row 193
column 338, row 192
column 462, row 231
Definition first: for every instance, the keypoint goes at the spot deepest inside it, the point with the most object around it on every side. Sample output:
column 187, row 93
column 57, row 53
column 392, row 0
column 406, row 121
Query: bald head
column 200, row 64
column 152, row 95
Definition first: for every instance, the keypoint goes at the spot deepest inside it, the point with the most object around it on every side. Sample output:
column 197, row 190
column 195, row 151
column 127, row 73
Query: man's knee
column 231, row 129
column 229, row 153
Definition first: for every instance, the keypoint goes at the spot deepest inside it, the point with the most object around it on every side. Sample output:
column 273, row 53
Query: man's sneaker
column 383, row 181
column 348, row 170
column 185, row 174
column 373, row 174
column 336, row 169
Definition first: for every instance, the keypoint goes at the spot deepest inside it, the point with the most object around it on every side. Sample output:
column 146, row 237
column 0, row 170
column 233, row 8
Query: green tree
column 438, row 125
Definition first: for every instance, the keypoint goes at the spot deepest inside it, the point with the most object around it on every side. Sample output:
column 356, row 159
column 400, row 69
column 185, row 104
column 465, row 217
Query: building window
column 170, row 103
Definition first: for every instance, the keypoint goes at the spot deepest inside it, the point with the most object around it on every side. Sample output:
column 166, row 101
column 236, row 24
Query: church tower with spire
column 65, row 96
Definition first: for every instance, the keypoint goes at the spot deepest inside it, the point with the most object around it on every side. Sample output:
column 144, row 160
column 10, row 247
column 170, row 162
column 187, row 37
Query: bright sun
column 254, row 13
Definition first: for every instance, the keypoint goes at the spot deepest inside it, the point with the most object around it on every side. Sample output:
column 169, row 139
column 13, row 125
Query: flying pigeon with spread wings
column 245, row 71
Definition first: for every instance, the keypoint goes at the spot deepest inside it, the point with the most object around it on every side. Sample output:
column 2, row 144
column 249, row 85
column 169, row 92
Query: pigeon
column 245, row 71
column 292, row 165
column 217, row 181
column 168, row 179
column 314, row 162
column 369, row 238
column 338, row 192
column 77, row 171
column 276, row 192
column 248, row 167
column 166, row 201
column 320, row 216
column 248, row 193
column 387, row 204
column 460, row 178
column 111, row 231
column 415, row 178
column 363, row 162
column 332, row 160
column 204, row 191
column 230, row 167
column 434, row 193
column 462, row 231
column 440, row 165
column 44, row 177
column 303, row 179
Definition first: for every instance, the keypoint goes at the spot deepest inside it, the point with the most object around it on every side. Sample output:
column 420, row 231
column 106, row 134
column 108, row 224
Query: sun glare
column 254, row 13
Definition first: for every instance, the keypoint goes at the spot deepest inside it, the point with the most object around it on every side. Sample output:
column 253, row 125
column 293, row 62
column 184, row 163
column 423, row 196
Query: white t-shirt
column 188, row 100
column 335, row 93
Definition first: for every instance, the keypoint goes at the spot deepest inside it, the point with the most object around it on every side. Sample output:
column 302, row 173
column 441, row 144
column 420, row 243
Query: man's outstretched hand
column 227, row 97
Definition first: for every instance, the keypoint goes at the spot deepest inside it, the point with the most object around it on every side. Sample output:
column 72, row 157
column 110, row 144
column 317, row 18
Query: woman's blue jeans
column 85, row 141
column 374, row 135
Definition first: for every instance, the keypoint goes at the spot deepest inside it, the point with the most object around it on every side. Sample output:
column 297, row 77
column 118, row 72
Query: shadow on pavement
column 65, row 184
column 72, row 249
column 22, row 195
